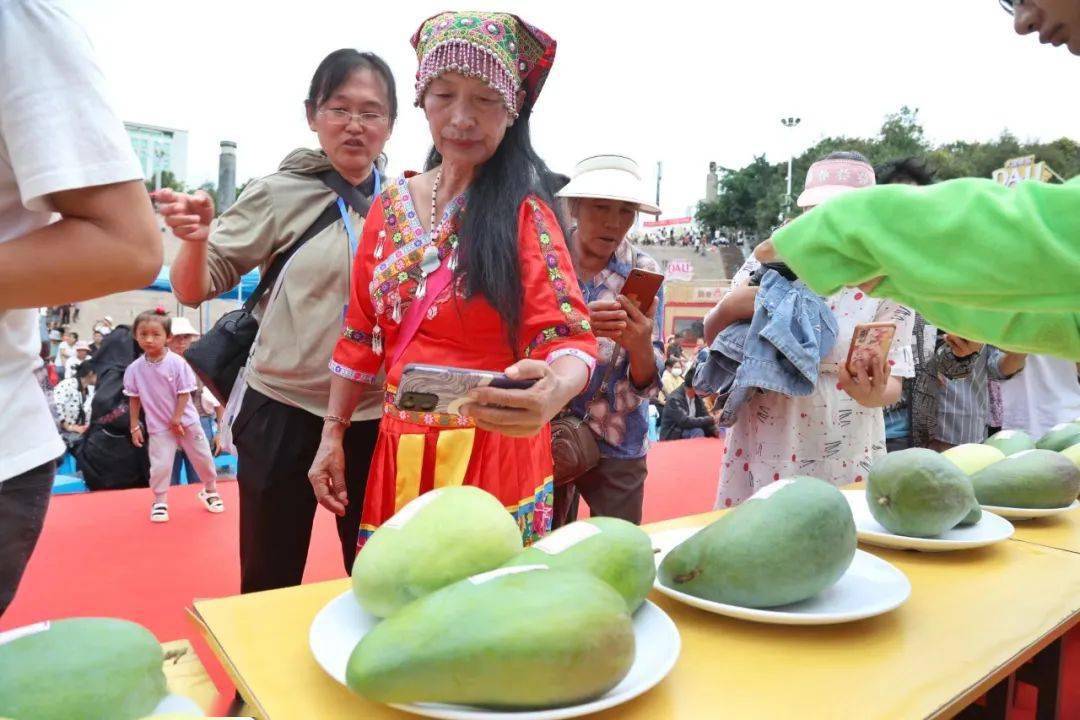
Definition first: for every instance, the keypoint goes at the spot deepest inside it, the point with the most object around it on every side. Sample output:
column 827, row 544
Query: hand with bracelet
column 327, row 473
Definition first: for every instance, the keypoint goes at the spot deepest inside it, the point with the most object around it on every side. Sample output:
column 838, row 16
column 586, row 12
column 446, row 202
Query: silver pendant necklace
column 430, row 261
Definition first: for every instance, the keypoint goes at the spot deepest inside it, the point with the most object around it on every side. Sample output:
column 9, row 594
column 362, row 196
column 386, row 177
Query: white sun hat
column 182, row 326
column 610, row 177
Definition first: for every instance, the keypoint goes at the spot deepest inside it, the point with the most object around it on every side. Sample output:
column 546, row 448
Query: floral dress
column 416, row 451
column 825, row 434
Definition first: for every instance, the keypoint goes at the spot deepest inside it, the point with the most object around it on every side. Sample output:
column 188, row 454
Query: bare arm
column 181, row 403
column 1008, row 364
column 715, row 321
column 737, row 305
column 189, row 216
column 106, row 241
column 327, row 473
column 134, row 407
column 190, row 274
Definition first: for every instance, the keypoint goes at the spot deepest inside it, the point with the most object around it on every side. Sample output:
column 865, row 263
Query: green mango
column 918, row 493
column 787, row 543
column 973, row 457
column 1073, row 453
column 618, row 552
column 1010, row 441
column 514, row 638
column 82, row 669
column 1060, row 437
column 973, row 517
column 1031, row 479
column 440, row 537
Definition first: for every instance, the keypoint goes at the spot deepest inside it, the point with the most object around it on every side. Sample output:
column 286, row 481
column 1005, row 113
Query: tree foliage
column 752, row 198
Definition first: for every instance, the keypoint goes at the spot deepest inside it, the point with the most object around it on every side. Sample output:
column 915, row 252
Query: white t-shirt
column 71, row 366
column 1044, row 394
column 64, row 352
column 57, row 132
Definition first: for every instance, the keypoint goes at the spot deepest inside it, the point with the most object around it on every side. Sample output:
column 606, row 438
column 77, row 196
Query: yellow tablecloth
column 973, row 617
column 1060, row 531
column 186, row 675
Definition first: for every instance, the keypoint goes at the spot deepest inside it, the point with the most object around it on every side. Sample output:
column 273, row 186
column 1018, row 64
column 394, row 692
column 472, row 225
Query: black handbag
column 218, row 355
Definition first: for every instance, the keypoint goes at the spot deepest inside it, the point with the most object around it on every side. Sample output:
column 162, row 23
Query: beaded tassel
column 421, row 288
column 395, row 314
column 376, row 339
column 378, row 250
column 452, row 263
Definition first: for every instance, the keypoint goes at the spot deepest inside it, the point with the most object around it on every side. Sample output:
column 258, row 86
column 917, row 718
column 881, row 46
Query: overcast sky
column 678, row 82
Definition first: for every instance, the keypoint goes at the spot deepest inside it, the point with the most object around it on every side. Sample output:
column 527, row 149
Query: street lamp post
column 159, row 163
column 789, row 122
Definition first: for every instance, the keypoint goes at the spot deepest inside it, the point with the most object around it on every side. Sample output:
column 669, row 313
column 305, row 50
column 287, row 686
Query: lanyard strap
column 354, row 242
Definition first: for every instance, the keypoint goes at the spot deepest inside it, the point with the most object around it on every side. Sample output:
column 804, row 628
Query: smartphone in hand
column 442, row 389
column 870, row 339
column 641, row 287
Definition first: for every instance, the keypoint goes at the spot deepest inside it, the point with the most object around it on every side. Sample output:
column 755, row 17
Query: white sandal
column 159, row 512
column 211, row 501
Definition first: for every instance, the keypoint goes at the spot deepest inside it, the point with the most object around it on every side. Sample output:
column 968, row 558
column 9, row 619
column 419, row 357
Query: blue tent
column 247, row 285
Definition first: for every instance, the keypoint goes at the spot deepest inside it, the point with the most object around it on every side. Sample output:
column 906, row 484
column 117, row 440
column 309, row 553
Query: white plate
column 870, row 587
column 341, row 624
column 177, row 704
column 1030, row 513
column 989, row 530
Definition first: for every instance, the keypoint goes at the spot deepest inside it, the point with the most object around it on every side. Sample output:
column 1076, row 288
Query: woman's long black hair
column 488, row 259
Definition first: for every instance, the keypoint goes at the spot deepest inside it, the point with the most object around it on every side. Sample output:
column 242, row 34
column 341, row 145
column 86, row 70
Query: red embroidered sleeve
column 358, row 353
column 555, row 320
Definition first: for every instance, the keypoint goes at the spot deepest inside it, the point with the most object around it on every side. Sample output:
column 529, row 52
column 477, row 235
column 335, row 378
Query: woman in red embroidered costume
column 466, row 266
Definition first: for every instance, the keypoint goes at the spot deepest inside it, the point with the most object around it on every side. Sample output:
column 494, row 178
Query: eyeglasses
column 340, row 118
column 1008, row 5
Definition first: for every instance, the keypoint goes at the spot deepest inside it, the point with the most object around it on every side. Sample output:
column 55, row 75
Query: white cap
column 610, row 177
column 182, row 326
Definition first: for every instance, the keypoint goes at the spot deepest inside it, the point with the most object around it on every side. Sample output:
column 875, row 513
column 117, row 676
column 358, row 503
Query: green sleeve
column 1047, row 333
column 954, row 251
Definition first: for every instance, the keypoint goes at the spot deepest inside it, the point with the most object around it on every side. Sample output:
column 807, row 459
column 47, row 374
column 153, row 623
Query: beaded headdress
column 503, row 50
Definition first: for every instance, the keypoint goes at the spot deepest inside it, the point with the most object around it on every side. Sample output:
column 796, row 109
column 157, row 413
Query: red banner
column 666, row 223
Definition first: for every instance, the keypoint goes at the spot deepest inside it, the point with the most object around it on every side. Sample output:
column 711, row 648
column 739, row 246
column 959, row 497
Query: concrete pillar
column 711, row 184
column 226, row 187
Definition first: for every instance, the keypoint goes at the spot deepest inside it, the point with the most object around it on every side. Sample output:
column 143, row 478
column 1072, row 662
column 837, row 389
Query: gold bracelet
column 338, row 420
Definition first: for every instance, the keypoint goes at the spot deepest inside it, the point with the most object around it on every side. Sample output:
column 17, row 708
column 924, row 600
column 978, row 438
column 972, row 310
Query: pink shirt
column 157, row 385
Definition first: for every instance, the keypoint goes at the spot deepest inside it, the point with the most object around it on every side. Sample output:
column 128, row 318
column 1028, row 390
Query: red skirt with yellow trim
column 417, row 452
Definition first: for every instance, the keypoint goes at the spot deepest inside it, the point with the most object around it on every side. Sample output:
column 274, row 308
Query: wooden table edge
column 222, row 656
column 1007, row 668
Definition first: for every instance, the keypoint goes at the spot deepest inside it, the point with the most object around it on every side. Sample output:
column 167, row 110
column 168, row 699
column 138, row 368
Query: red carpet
column 100, row 556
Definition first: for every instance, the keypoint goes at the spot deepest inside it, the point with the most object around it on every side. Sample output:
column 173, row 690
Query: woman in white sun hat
column 604, row 196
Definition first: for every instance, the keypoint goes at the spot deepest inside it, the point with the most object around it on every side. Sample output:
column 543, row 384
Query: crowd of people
column 487, row 260
column 700, row 241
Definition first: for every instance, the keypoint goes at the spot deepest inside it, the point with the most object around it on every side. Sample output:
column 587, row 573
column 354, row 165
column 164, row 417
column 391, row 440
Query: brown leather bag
column 574, row 446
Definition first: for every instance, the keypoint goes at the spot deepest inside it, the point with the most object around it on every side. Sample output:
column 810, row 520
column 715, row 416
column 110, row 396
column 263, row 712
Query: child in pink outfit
column 160, row 383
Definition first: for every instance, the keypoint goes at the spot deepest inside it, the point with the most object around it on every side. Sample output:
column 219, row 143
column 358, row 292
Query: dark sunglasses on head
column 1008, row 5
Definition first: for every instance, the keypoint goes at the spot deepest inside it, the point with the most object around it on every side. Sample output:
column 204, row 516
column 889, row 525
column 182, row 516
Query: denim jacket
column 780, row 349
